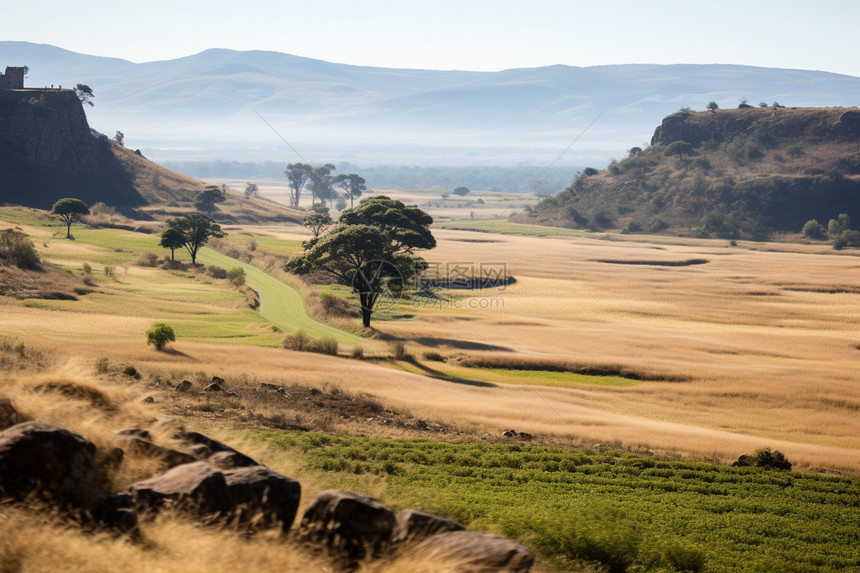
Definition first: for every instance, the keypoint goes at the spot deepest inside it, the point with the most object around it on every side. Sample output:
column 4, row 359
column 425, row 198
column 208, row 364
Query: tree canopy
column 679, row 148
column 206, row 200
column 371, row 249
column 192, row 232
column 318, row 221
column 70, row 209
column 85, row 94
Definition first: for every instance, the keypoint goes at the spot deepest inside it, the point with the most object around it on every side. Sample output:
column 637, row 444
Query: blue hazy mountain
column 210, row 104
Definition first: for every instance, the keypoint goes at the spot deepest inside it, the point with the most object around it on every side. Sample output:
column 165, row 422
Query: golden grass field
column 761, row 342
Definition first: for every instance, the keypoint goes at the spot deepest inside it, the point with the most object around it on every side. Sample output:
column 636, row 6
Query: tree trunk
column 365, row 316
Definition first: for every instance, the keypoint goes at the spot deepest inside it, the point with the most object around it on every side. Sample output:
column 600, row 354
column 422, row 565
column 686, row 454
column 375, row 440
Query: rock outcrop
column 50, row 461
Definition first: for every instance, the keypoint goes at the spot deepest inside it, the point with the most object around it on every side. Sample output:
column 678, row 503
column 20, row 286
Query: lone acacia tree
column 679, row 148
column 371, row 249
column 70, row 209
column 192, row 232
column 206, row 199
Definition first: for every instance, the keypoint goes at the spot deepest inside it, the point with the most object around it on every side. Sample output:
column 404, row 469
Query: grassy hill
column 746, row 172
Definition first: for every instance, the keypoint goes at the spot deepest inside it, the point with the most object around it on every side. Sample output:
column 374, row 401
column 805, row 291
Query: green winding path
column 280, row 303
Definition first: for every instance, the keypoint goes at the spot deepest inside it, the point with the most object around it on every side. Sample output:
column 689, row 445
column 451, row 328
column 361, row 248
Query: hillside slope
column 48, row 151
column 746, row 172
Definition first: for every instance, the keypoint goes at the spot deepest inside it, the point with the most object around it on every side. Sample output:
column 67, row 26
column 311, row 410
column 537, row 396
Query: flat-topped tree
column 70, row 209
column 371, row 249
column 192, row 232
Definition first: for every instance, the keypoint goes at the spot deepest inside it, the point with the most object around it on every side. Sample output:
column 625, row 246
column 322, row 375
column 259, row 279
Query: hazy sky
column 458, row 34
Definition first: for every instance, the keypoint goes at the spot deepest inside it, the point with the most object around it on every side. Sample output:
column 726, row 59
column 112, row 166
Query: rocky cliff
column 47, row 151
column 743, row 172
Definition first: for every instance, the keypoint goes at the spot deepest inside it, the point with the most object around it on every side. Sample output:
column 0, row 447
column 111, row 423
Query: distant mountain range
column 212, row 105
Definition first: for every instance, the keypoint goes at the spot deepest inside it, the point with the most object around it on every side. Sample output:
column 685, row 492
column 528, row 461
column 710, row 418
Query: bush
column 766, row 458
column 813, row 229
column 398, row 349
column 299, row 341
column 236, row 275
column 131, row 371
column 103, row 365
column 159, row 335
column 634, row 227
column 433, row 356
column 18, row 249
column 302, row 342
column 147, row 260
column 326, row 346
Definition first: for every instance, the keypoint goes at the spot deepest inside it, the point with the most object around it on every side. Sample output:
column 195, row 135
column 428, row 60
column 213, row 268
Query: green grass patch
column 543, row 378
column 622, row 512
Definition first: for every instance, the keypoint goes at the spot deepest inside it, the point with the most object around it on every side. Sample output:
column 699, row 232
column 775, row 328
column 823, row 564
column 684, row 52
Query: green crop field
column 618, row 511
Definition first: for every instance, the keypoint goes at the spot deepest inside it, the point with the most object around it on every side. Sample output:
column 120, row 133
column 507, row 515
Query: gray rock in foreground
column 51, row 461
column 348, row 525
column 476, row 552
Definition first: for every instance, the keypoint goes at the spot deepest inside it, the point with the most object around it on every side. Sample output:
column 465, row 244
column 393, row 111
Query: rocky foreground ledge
column 212, row 484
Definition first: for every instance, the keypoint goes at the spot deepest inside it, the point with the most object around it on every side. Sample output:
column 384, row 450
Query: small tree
column 206, row 199
column 159, row 335
column 195, row 230
column 119, row 138
column 679, row 148
column 461, row 191
column 318, row 221
column 236, row 275
column 172, row 238
column 813, row 229
column 251, row 190
column 297, row 175
column 70, row 209
column 713, row 107
column 836, row 227
column 85, row 94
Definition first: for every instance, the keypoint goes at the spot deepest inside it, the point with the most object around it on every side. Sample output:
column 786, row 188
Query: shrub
column 103, row 365
column 590, row 171
column 131, row 371
column 398, row 349
column 326, row 345
column 236, row 275
column 839, row 225
column 634, row 227
column 433, row 356
column 147, row 260
column 358, row 352
column 813, row 229
column 299, row 341
column 159, row 335
column 18, row 249
column 766, row 458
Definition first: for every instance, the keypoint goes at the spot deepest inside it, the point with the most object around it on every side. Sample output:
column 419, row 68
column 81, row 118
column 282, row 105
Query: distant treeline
column 511, row 179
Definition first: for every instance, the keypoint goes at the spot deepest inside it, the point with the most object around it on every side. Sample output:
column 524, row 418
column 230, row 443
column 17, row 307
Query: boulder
column 263, row 498
column 184, row 386
column 476, row 552
column 213, row 387
column 9, row 416
column 348, row 525
column 170, row 458
column 52, row 461
column 195, row 488
column 115, row 512
column 208, row 447
column 414, row 525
